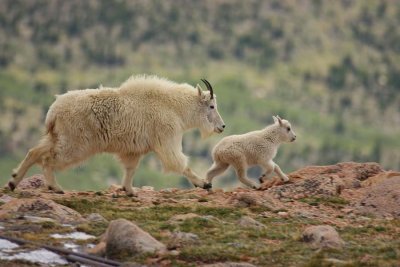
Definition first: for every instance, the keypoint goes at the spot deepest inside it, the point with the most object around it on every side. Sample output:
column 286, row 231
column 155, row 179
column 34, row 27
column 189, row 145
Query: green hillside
column 331, row 67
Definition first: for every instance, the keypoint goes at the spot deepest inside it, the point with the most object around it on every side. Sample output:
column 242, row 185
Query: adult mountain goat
column 144, row 114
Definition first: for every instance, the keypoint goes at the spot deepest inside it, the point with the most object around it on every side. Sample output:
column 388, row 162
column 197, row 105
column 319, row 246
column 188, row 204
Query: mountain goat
column 253, row 148
column 144, row 114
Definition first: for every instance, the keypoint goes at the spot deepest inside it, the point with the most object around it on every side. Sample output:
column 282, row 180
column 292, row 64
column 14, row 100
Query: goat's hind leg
column 52, row 184
column 216, row 169
column 241, row 173
column 33, row 156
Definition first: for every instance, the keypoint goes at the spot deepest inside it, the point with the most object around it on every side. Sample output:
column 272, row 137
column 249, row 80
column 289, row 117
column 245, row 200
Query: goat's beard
column 206, row 132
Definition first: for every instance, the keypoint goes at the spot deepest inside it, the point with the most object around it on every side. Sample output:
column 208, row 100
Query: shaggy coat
column 249, row 149
column 144, row 114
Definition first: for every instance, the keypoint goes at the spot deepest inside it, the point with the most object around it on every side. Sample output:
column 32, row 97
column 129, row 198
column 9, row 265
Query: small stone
column 283, row 214
column 168, row 190
column 322, row 236
column 147, row 188
column 174, row 253
column 181, row 239
column 347, row 210
column 95, row 217
column 247, row 221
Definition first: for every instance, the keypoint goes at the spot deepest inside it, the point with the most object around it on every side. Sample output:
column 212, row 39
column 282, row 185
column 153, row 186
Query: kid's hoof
column 207, row 186
column 256, row 187
column 11, row 185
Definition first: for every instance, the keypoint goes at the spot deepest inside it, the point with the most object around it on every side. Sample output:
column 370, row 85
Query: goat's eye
column 288, row 129
column 211, row 106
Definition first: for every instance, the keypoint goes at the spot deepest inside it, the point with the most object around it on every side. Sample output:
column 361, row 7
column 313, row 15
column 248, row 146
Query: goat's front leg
column 268, row 168
column 130, row 162
column 280, row 173
column 195, row 180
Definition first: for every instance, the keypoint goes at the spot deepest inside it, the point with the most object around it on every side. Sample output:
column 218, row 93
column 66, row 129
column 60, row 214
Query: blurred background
column 330, row 67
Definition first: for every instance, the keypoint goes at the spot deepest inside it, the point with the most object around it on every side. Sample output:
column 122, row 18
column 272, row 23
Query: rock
column 180, row 239
column 283, row 214
column 381, row 199
column 95, row 217
column 34, row 182
column 249, row 222
column 123, row 238
column 256, row 198
column 229, row 264
column 322, row 236
column 147, row 188
column 349, row 172
column 40, row 208
column 317, row 186
column 36, row 219
column 6, row 198
column 379, row 178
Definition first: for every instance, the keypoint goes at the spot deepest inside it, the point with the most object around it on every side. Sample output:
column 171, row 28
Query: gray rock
column 123, row 238
column 249, row 222
column 180, row 239
column 40, row 208
column 95, row 217
column 322, row 236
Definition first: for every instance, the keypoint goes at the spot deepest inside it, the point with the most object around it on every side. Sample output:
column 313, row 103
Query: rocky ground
column 341, row 215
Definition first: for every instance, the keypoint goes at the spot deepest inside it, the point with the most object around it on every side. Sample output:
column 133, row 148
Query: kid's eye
column 288, row 129
column 211, row 106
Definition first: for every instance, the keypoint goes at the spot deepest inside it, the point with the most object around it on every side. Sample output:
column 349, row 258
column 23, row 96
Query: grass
column 221, row 239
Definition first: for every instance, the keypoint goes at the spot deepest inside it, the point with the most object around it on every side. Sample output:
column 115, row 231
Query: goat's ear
column 199, row 91
column 201, row 94
column 277, row 119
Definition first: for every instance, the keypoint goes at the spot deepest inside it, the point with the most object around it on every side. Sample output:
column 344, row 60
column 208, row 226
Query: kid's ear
column 277, row 119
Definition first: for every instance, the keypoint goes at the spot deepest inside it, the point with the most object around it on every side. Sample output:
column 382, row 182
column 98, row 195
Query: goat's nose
column 223, row 126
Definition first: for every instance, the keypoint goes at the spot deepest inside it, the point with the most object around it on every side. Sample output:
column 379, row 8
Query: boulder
column 181, row 239
column 40, row 208
column 322, row 236
column 324, row 186
column 97, row 218
column 350, row 173
column 256, row 198
column 381, row 199
column 36, row 181
column 124, row 238
column 249, row 222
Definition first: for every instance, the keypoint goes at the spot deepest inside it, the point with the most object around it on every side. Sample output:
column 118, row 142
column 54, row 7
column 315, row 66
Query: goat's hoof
column 11, row 185
column 55, row 190
column 207, row 186
column 256, row 187
column 131, row 194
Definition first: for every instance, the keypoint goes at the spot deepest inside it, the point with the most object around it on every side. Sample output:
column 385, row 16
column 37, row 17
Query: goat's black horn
column 209, row 87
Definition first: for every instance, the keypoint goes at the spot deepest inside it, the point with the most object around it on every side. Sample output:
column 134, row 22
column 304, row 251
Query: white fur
column 253, row 148
column 144, row 114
